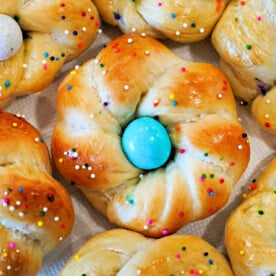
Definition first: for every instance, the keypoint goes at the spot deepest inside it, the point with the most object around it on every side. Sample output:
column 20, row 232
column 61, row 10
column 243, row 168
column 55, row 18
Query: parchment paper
column 39, row 109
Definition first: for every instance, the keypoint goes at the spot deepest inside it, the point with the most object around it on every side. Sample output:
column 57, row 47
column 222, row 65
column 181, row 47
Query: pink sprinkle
column 6, row 200
column 181, row 214
column 165, row 231
column 259, row 18
column 202, row 179
column 177, row 255
column 149, row 221
column 183, row 69
column 12, row 245
column 159, row 4
column 211, row 211
column 44, row 67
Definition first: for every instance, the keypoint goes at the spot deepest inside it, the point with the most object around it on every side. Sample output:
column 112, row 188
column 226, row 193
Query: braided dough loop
column 250, row 230
column 36, row 212
column 245, row 39
column 55, row 32
column 182, row 21
column 135, row 76
column 123, row 252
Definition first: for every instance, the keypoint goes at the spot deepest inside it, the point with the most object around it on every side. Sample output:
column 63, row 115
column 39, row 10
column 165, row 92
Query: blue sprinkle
column 173, row 15
column 46, row 54
column 68, row 87
column 7, row 84
column 117, row 16
column 174, row 103
column 20, row 190
column 75, row 33
column 42, row 140
column 211, row 262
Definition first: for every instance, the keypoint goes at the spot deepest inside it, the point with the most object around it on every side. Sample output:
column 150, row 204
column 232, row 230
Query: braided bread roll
column 182, row 21
column 123, row 252
column 36, row 211
column 250, row 230
column 245, row 39
column 54, row 32
column 136, row 76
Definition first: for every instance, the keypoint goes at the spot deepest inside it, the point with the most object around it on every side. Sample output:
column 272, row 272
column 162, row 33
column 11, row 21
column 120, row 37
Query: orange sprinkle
column 177, row 128
column 218, row 7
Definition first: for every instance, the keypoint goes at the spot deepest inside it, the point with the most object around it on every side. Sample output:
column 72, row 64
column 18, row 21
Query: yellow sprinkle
column 60, row 160
column 40, row 223
column 172, row 96
column 14, row 124
column 73, row 72
column 5, row 255
column 244, row 196
column 201, row 271
column 77, row 257
column 241, row 252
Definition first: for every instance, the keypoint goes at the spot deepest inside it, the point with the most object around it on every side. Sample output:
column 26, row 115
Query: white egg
column 11, row 37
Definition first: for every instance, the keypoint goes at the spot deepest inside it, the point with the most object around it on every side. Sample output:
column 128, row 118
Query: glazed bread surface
column 123, row 252
column 245, row 39
column 36, row 211
column 54, row 32
column 250, row 230
column 136, row 76
column 182, row 21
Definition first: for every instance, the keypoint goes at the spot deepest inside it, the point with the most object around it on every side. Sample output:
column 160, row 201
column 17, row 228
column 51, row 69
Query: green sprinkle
column 193, row 25
column 261, row 212
column 248, row 47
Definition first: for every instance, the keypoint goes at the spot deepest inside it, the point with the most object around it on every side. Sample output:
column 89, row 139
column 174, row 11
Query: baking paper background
column 39, row 109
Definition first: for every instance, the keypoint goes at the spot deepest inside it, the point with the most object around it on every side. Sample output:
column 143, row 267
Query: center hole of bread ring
column 146, row 143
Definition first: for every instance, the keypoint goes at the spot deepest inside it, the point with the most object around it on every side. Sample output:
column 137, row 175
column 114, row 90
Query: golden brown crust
column 135, row 76
column 123, row 252
column 264, row 111
column 36, row 212
column 56, row 32
column 250, row 230
column 182, row 21
column 245, row 41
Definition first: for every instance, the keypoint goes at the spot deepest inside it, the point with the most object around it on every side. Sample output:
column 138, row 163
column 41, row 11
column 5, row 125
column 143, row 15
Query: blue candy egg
column 146, row 143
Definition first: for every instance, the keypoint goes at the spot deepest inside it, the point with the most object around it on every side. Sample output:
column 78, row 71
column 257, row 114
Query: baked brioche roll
column 36, row 212
column 135, row 77
column 123, row 252
column 54, row 32
column 182, row 21
column 245, row 39
column 250, row 230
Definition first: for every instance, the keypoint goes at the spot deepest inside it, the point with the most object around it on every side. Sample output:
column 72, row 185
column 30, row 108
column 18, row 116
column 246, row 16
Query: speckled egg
column 146, row 143
column 11, row 37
